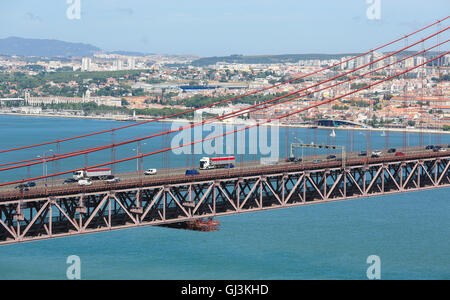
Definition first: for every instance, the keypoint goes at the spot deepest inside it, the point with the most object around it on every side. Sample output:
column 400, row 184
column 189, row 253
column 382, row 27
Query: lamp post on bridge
column 139, row 163
column 301, row 147
column 368, row 143
column 44, row 165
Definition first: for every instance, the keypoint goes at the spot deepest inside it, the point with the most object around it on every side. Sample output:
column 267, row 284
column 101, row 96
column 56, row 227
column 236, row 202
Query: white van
column 150, row 172
column 84, row 182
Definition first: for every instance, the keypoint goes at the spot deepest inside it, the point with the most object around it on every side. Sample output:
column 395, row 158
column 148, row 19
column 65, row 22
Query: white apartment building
column 86, row 64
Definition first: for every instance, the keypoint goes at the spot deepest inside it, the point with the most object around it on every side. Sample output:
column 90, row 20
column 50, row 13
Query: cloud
column 128, row 11
column 108, row 12
column 411, row 24
column 144, row 40
column 33, row 18
column 120, row 11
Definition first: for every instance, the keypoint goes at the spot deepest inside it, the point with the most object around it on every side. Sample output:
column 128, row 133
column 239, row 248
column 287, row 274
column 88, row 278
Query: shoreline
column 240, row 122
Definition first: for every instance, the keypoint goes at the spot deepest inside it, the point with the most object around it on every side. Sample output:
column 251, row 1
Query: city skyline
column 215, row 29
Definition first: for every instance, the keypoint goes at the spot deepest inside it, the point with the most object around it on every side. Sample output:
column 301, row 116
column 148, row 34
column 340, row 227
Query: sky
column 217, row 28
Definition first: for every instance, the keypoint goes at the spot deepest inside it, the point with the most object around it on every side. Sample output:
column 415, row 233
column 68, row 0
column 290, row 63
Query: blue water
column 409, row 232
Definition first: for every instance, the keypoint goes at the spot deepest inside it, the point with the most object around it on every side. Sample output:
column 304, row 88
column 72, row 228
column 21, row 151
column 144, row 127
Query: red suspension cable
column 239, row 112
column 224, row 101
column 230, row 132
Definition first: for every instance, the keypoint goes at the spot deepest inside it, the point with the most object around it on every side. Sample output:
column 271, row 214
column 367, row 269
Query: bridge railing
column 168, row 176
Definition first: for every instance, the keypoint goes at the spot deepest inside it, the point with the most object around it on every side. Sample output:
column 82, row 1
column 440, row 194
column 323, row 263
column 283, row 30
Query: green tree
column 125, row 102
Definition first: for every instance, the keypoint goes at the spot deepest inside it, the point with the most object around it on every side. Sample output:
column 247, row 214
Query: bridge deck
column 177, row 175
column 63, row 210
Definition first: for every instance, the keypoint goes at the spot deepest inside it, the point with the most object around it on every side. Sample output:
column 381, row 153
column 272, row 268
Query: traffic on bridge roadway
column 57, row 187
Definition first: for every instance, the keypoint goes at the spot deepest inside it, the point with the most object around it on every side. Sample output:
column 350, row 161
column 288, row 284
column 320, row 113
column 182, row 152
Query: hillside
column 265, row 59
column 44, row 48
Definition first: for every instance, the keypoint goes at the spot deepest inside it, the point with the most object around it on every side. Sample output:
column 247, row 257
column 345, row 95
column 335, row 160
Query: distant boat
column 333, row 133
column 383, row 133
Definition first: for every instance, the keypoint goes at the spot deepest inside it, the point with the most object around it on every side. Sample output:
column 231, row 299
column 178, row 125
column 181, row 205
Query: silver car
column 84, row 182
column 150, row 172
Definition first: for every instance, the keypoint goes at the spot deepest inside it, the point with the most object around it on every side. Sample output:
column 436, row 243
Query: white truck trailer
column 93, row 174
column 207, row 163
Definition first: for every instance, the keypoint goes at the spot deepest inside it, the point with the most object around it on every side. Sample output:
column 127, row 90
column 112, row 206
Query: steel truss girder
column 52, row 217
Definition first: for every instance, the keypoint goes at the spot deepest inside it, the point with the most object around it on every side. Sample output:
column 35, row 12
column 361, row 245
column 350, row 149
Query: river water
column 409, row 232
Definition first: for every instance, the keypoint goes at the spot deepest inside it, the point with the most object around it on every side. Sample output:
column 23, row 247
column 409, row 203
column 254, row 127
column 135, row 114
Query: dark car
column 69, row 180
column 331, row 156
column 30, row 184
column 392, row 150
column 298, row 159
column 192, row 172
column 290, row 159
column 362, row 153
column 436, row 148
column 429, row 147
column 22, row 187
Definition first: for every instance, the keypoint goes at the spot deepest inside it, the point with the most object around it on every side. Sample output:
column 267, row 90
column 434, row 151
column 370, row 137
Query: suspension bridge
column 174, row 197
